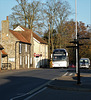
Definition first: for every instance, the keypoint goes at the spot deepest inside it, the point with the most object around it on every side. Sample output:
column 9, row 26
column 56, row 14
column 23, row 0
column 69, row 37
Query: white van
column 84, row 63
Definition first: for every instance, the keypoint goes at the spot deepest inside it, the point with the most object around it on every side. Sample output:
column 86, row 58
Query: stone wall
column 8, row 42
column 11, row 46
column 25, row 56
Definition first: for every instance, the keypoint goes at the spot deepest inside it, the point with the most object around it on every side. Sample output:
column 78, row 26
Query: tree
column 69, row 35
column 85, row 49
column 56, row 13
column 19, row 15
column 27, row 14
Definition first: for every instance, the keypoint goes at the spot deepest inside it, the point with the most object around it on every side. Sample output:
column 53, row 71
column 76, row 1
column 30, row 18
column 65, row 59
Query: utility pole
column 49, row 43
column 77, row 47
column 78, row 67
column 76, row 41
column 76, row 36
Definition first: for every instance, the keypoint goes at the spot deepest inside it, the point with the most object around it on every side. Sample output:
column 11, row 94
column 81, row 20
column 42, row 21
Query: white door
column 37, row 62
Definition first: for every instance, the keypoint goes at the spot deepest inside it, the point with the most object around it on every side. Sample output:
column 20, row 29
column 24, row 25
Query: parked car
column 72, row 66
column 84, row 63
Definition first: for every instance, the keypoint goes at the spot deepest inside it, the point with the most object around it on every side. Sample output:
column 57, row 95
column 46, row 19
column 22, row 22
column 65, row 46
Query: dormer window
column 19, row 29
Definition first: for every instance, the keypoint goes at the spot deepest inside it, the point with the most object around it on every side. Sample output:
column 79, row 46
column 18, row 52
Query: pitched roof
column 39, row 39
column 25, row 36
column 19, row 36
column 35, row 35
column 1, row 47
column 3, row 52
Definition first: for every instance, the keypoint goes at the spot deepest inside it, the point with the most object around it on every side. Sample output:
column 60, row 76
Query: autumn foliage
column 66, row 33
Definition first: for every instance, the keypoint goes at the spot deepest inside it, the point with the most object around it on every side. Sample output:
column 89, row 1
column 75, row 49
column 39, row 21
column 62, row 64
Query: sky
column 83, row 10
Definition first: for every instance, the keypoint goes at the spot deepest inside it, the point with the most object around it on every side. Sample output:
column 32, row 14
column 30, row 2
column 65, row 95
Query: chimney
column 7, row 18
column 5, row 26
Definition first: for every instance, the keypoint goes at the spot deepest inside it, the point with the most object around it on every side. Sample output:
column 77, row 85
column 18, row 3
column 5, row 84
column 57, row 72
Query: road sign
column 71, row 46
column 76, row 41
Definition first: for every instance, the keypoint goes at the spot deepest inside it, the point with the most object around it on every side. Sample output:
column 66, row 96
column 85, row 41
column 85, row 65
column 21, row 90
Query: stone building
column 25, row 49
column 1, row 48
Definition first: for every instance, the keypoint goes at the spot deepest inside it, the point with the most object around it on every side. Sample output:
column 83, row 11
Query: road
column 51, row 94
column 47, row 93
column 22, row 83
column 16, row 83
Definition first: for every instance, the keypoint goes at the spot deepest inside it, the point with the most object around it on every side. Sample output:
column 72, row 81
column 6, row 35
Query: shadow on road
column 17, row 85
column 81, row 70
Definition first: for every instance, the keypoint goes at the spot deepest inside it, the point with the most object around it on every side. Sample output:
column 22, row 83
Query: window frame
column 25, row 47
column 20, row 48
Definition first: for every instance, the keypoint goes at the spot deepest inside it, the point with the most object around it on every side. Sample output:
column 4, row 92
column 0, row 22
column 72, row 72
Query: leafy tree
column 85, row 50
column 69, row 35
column 83, row 33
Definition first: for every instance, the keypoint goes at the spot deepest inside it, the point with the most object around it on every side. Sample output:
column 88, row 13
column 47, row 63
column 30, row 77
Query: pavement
column 70, row 83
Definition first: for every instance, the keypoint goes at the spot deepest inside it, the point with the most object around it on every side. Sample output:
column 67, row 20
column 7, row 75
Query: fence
column 6, row 66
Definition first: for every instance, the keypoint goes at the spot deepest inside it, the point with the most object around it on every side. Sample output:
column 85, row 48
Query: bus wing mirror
column 66, row 54
column 51, row 56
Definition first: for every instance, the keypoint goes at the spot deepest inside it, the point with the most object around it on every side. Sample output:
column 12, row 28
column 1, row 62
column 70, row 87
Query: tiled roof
column 38, row 38
column 4, row 53
column 25, row 36
column 19, row 36
column 1, row 47
column 35, row 35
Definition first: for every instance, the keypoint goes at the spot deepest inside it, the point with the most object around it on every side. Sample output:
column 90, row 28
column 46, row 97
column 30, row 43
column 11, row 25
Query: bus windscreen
column 59, row 55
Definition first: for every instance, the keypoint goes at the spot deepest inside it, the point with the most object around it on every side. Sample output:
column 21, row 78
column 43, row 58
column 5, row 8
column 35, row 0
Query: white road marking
column 32, row 91
column 65, row 74
column 35, row 93
column 18, row 96
column 39, row 89
column 70, row 74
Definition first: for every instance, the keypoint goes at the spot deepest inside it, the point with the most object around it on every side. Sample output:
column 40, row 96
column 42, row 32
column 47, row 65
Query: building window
column 30, row 60
column 41, row 48
column 46, row 49
column 20, row 48
column 20, row 60
column 25, row 47
column 25, row 59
